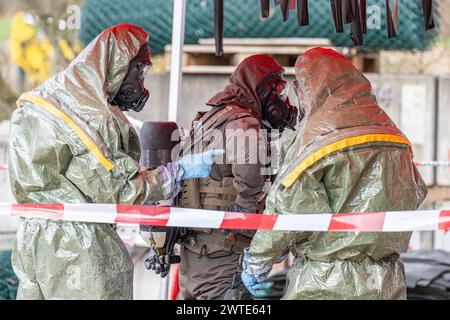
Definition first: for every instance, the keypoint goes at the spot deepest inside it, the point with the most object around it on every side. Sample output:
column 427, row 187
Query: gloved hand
column 198, row 165
column 161, row 263
column 237, row 208
column 251, row 283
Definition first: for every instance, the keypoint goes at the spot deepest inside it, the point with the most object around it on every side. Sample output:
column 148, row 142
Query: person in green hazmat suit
column 346, row 156
column 71, row 143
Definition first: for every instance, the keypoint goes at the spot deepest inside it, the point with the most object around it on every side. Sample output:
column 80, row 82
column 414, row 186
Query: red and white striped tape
column 432, row 163
column 418, row 163
column 394, row 221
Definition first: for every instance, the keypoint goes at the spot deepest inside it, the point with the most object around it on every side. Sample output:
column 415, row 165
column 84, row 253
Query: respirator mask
column 132, row 94
column 278, row 113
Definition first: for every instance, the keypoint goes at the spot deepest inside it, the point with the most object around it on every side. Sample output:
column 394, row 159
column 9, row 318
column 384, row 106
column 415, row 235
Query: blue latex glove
column 199, row 165
column 251, row 283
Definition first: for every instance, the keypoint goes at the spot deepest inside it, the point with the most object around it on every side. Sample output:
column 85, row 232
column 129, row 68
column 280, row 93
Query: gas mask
column 278, row 113
column 132, row 94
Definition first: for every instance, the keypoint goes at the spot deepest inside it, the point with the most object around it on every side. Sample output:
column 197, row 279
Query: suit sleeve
column 126, row 183
column 63, row 169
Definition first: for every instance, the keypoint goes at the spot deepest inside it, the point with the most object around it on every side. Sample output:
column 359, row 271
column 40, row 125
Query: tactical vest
column 212, row 194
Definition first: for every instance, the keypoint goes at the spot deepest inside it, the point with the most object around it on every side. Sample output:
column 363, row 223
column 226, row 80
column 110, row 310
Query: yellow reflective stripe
column 83, row 136
column 339, row 145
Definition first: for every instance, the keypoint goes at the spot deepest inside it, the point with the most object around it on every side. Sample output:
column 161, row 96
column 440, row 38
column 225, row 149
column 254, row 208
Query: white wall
column 7, row 224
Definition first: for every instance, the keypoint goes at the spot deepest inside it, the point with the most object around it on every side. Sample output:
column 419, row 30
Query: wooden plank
column 323, row 42
column 289, row 50
column 220, row 70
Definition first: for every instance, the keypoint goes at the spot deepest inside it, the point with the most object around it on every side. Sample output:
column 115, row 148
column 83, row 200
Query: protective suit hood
column 337, row 97
column 83, row 90
column 244, row 82
column 94, row 77
column 338, row 101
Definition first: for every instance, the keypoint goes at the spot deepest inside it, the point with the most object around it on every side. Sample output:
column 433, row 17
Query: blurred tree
column 435, row 60
column 7, row 96
column 53, row 21
column 50, row 47
column 7, row 100
column 31, row 51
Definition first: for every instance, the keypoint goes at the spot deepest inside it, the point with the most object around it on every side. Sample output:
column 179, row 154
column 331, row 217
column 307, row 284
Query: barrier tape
column 417, row 163
column 432, row 163
column 394, row 221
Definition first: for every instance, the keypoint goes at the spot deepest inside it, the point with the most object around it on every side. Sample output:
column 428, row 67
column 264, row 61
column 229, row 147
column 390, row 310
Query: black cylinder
column 157, row 141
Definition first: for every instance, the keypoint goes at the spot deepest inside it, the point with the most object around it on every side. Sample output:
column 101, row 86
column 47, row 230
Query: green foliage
column 7, row 100
column 5, row 26
column 242, row 20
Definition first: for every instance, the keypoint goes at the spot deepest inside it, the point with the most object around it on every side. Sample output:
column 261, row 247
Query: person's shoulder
column 244, row 123
column 243, row 118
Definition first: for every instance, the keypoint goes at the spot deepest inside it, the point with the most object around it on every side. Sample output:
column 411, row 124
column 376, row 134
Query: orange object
column 174, row 288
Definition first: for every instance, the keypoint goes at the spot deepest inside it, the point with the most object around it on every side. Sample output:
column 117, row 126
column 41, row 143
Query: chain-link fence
column 243, row 20
column 434, row 60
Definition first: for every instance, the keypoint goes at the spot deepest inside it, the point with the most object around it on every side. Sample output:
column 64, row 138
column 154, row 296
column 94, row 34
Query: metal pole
column 164, row 285
column 218, row 26
column 176, row 75
column 176, row 65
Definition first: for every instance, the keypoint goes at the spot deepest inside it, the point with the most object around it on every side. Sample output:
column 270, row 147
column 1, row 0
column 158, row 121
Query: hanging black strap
column 336, row 10
column 363, row 15
column 392, row 33
column 427, row 6
column 302, row 12
column 218, row 26
column 284, row 5
column 265, row 8
column 347, row 11
column 356, row 32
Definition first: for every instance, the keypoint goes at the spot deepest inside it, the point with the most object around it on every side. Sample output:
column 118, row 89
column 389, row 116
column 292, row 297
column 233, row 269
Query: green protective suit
column 69, row 145
column 346, row 156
